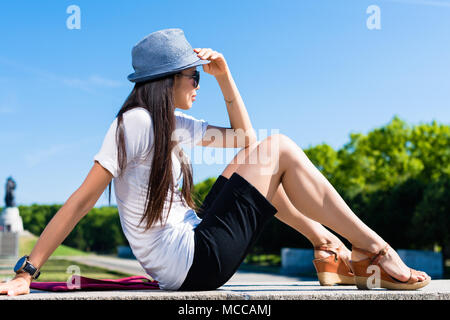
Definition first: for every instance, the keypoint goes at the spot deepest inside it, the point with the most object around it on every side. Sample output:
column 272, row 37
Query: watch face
column 20, row 263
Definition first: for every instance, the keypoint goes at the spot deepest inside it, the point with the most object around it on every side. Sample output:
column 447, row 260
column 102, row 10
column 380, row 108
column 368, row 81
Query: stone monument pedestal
column 11, row 227
column 10, row 220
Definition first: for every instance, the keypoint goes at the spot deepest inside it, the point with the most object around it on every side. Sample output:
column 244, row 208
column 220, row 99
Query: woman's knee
column 280, row 144
column 269, row 150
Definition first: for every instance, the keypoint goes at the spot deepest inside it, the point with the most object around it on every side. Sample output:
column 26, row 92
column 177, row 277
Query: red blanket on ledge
column 79, row 283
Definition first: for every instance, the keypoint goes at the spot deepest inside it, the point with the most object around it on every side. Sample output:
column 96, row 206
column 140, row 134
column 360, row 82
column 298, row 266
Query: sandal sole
column 362, row 284
column 331, row 278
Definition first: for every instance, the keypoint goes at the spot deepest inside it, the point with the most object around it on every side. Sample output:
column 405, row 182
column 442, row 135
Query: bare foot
column 393, row 265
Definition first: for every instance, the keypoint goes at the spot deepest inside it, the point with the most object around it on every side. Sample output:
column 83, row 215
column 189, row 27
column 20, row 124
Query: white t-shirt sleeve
column 189, row 130
column 138, row 134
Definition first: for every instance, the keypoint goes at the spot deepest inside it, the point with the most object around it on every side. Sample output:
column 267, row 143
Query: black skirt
column 234, row 213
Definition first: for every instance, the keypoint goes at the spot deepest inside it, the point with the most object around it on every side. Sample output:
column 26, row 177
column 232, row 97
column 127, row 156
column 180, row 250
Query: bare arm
column 237, row 112
column 59, row 227
column 239, row 119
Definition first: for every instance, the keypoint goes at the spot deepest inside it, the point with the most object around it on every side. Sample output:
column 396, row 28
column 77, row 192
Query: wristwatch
column 23, row 265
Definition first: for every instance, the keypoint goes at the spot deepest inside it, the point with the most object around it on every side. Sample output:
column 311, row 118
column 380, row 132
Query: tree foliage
column 98, row 231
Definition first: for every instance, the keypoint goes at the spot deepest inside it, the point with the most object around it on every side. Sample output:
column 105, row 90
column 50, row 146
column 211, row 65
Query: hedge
column 99, row 231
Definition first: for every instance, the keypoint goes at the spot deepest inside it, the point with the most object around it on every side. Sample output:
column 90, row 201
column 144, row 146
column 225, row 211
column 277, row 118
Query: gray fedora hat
column 162, row 53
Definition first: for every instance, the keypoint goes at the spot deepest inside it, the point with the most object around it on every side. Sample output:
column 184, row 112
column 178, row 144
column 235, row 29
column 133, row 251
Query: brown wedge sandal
column 333, row 269
column 362, row 273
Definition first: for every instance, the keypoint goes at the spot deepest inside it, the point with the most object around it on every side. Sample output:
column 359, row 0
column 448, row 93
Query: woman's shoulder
column 137, row 116
column 138, row 111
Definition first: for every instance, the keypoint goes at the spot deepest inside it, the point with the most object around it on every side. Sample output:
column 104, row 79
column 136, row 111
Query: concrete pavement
column 244, row 285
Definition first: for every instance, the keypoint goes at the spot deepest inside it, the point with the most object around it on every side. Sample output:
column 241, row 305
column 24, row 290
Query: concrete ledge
column 281, row 290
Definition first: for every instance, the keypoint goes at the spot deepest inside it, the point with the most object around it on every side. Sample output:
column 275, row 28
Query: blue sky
column 310, row 69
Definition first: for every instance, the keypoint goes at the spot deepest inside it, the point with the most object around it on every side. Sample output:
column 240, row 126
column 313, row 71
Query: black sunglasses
column 195, row 76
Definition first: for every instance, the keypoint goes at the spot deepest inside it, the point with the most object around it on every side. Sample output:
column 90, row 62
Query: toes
column 419, row 275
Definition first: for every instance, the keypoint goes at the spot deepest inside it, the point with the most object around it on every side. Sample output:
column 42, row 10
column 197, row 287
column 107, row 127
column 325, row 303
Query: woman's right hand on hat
column 218, row 66
column 17, row 286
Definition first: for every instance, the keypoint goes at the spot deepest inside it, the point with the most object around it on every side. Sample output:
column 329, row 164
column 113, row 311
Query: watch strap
column 32, row 270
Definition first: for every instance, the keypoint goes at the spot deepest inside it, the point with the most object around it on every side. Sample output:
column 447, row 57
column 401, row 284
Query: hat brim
column 134, row 77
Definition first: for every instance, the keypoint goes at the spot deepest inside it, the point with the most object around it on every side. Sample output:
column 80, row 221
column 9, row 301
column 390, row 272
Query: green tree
column 201, row 189
column 326, row 159
column 431, row 220
column 430, row 144
column 378, row 160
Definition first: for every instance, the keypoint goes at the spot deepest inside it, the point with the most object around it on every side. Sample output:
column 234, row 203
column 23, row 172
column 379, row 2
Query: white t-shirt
column 165, row 253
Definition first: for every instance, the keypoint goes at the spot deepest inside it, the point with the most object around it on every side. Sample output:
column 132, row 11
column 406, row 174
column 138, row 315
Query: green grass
column 26, row 244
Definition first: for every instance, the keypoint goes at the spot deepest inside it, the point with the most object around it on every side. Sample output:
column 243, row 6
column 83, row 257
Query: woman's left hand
column 218, row 66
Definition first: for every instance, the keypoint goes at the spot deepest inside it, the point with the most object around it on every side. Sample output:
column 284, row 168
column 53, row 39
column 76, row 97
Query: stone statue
column 10, row 219
column 9, row 197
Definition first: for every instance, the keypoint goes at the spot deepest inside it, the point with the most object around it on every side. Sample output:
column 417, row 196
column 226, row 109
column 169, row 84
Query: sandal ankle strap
column 374, row 257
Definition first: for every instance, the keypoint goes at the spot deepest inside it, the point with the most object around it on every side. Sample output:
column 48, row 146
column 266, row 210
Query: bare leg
column 310, row 193
column 316, row 233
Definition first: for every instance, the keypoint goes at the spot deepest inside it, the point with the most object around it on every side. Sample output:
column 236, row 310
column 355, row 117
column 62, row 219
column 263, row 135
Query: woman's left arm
column 237, row 112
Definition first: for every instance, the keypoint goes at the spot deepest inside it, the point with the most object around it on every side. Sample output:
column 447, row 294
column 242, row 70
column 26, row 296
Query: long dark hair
column 157, row 97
